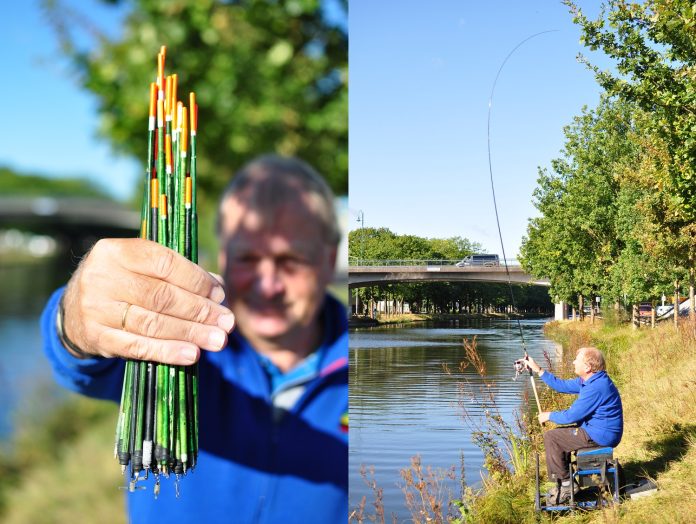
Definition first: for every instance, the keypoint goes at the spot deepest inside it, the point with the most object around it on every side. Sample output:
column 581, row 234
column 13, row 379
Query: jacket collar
column 594, row 377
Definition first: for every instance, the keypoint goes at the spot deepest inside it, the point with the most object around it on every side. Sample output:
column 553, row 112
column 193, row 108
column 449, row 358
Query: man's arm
column 562, row 386
column 580, row 410
column 96, row 377
column 571, row 386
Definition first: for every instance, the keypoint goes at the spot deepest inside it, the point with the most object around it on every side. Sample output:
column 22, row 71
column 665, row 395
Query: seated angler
column 596, row 414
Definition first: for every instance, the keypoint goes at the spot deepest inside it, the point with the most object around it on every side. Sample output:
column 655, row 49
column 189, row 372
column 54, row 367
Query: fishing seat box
column 593, row 458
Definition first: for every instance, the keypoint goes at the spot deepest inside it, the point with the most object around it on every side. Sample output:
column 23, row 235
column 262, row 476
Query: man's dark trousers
column 559, row 443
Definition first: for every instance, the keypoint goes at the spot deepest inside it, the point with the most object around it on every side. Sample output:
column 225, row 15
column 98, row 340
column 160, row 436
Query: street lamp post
column 361, row 219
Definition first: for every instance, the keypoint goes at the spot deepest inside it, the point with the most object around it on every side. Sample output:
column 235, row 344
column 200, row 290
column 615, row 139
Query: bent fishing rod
column 519, row 364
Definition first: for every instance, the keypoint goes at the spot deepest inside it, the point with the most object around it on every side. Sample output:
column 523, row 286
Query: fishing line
column 490, row 171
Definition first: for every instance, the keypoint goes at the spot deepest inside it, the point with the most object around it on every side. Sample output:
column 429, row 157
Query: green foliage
column 269, row 77
column 618, row 211
column 30, row 185
column 652, row 44
column 382, row 244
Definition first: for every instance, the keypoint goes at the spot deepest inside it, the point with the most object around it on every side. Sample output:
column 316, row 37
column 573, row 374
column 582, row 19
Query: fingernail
column 216, row 339
column 217, row 294
column 188, row 354
column 226, row 322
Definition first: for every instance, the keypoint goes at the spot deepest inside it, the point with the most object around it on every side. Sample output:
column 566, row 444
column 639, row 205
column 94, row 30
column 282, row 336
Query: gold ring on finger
column 125, row 316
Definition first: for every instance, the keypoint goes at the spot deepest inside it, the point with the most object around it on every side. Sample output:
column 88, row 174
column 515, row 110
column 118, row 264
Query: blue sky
column 420, row 80
column 50, row 124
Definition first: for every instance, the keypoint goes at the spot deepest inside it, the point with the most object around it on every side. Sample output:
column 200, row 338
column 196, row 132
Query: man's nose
column 269, row 278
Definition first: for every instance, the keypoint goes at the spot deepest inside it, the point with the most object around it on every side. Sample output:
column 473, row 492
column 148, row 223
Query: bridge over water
column 75, row 222
column 363, row 273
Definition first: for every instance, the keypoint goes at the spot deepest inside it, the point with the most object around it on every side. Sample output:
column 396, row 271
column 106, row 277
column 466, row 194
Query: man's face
column 276, row 270
column 579, row 364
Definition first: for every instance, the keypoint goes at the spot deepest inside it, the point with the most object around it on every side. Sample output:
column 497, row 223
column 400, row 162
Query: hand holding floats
column 174, row 304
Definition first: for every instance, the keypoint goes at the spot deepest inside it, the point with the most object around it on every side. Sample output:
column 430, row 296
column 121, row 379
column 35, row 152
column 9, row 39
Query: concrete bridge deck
column 370, row 275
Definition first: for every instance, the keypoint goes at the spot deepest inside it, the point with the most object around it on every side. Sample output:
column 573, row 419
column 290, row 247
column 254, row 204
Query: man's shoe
column 552, row 496
column 560, row 494
column 566, row 487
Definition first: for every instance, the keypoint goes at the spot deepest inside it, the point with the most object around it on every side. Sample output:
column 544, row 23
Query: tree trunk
column 676, row 303
column 592, row 313
column 692, row 299
column 635, row 319
column 581, row 307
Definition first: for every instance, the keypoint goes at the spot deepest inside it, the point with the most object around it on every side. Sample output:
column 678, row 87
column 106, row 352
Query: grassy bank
column 655, row 371
column 58, row 467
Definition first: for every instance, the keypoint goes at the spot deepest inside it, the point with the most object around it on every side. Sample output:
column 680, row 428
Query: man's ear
column 332, row 257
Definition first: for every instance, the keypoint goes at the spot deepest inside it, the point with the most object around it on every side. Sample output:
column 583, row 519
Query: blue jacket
column 597, row 409
column 259, row 461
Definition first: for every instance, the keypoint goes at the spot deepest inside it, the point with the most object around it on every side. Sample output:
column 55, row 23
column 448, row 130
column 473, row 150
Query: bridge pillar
column 561, row 311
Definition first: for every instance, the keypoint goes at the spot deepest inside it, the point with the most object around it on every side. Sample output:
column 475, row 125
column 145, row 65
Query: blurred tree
column 13, row 183
column 268, row 76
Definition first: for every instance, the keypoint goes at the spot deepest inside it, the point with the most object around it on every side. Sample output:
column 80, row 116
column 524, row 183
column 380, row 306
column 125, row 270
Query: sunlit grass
column 58, row 467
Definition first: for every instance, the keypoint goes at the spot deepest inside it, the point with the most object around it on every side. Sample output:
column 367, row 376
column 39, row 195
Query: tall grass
column 58, row 467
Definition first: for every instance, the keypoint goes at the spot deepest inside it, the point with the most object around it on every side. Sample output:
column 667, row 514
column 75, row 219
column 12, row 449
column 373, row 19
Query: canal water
column 404, row 402
column 25, row 377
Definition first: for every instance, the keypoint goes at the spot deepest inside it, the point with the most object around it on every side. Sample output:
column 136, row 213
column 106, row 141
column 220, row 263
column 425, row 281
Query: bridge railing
column 363, row 262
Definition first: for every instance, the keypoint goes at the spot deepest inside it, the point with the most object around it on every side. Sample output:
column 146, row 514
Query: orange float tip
column 168, row 95
column 153, row 98
column 184, row 130
column 179, row 113
column 153, row 193
column 175, row 85
column 168, row 150
column 193, row 111
column 160, row 71
column 163, row 205
column 188, row 190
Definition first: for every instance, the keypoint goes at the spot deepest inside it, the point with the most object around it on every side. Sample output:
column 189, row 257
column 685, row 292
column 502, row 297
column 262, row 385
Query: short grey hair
column 594, row 358
column 274, row 180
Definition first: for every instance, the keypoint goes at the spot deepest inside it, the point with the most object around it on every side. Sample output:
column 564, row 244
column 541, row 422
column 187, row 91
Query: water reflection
column 403, row 402
column 26, row 285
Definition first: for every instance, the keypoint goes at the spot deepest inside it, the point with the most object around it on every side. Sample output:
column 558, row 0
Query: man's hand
column 174, row 304
column 529, row 362
column 543, row 417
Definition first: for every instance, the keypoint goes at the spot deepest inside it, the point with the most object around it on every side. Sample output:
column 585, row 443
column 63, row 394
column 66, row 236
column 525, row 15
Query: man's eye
column 245, row 259
column 292, row 261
